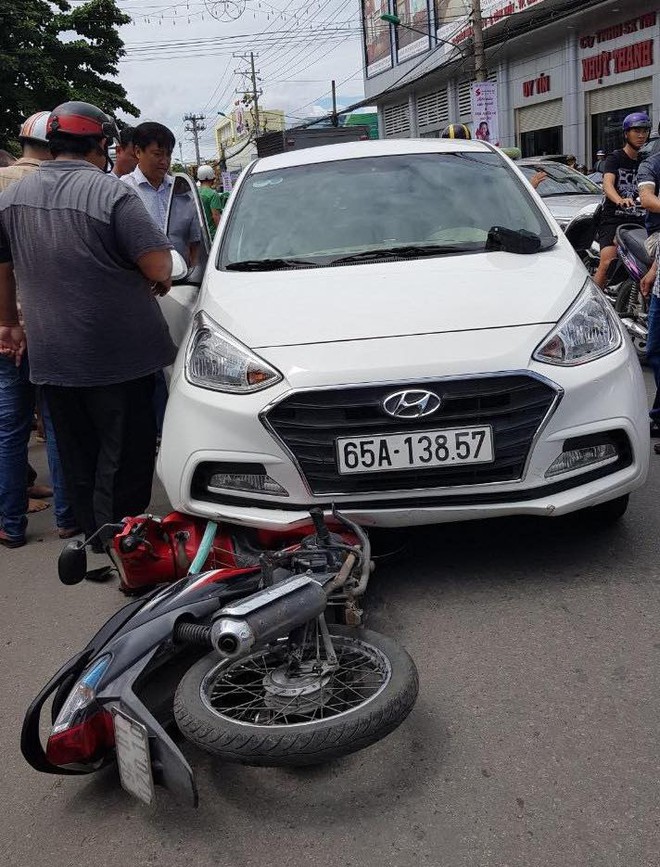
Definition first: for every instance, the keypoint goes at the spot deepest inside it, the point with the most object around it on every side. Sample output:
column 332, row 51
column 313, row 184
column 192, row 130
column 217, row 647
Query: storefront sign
column 608, row 34
column 485, row 120
column 618, row 60
column 536, row 86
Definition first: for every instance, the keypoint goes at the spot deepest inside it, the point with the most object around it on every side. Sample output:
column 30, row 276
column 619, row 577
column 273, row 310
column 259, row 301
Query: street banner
column 377, row 48
column 228, row 180
column 485, row 122
column 413, row 13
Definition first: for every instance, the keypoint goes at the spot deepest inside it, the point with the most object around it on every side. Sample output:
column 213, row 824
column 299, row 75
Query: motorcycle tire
column 299, row 740
column 624, row 306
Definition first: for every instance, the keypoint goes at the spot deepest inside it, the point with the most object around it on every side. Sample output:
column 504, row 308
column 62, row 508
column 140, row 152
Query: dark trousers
column 106, row 436
column 653, row 352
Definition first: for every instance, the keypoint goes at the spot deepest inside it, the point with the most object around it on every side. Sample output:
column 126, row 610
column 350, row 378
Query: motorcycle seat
column 634, row 239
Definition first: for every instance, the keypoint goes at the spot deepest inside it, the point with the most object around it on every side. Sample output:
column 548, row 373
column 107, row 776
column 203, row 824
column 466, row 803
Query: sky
column 180, row 59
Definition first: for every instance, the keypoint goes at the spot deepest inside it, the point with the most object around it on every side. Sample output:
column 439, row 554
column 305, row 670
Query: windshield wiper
column 412, row 251
column 512, row 240
column 269, row 264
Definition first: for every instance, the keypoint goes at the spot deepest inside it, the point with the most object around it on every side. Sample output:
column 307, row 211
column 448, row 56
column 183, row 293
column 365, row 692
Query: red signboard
column 626, row 59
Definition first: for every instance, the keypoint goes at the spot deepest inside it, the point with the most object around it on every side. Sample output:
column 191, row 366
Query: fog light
column 579, row 459
column 254, row 483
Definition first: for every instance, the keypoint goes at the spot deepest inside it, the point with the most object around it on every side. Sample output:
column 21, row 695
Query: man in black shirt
column 620, row 187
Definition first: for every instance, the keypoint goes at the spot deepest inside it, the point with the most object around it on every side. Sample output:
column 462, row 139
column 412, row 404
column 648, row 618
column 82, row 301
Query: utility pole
column 479, row 55
column 255, row 92
column 335, row 119
column 255, row 95
column 197, row 124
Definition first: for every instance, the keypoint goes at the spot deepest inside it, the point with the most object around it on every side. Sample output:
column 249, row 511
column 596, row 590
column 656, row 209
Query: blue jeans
column 653, row 352
column 64, row 517
column 16, row 411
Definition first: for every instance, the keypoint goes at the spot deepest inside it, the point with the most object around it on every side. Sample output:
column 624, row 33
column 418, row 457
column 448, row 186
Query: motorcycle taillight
column 84, row 743
column 83, row 731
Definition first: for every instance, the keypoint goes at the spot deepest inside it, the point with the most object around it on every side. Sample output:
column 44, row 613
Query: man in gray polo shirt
column 89, row 260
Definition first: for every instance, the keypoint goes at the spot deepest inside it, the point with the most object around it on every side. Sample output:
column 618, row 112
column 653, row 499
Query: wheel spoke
column 247, row 691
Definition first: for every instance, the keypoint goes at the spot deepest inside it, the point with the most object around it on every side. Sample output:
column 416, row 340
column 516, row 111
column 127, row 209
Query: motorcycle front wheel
column 260, row 711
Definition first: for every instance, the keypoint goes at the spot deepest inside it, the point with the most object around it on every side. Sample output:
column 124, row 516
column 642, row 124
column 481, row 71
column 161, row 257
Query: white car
column 399, row 329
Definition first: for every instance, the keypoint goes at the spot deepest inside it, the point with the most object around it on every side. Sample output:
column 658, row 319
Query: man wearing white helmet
column 211, row 200
column 32, row 137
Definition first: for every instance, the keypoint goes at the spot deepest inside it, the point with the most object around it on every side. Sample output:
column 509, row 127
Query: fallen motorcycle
column 244, row 659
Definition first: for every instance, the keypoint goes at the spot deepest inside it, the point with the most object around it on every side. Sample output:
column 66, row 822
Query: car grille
column 309, row 422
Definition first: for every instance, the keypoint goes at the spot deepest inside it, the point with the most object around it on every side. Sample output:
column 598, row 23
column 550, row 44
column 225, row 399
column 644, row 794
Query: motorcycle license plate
column 132, row 747
column 449, row 447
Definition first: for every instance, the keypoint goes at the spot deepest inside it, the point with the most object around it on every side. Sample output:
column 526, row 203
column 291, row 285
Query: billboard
column 413, row 13
column 377, row 48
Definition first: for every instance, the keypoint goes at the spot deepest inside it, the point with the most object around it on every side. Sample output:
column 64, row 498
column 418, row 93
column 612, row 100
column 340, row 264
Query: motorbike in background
column 631, row 306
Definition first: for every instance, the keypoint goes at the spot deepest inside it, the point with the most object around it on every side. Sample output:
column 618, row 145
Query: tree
column 51, row 53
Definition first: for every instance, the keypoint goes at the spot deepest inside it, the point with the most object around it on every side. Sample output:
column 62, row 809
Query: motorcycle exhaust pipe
column 635, row 329
column 267, row 614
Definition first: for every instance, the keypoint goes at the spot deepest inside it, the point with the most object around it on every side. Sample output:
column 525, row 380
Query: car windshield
column 373, row 208
column 561, row 180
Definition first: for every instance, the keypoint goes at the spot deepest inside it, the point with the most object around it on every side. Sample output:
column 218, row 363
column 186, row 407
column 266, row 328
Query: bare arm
column 156, row 265
column 216, row 216
column 648, row 198
column 610, row 191
column 12, row 336
column 646, row 284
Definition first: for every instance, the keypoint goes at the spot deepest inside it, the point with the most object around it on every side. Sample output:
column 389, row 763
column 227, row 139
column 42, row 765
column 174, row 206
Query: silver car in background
column 565, row 192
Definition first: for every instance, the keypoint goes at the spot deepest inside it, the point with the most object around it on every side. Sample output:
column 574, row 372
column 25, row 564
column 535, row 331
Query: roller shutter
column 621, row 96
column 396, row 121
column 433, row 109
column 541, row 116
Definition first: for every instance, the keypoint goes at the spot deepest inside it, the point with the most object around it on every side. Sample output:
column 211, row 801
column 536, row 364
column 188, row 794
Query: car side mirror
column 179, row 266
column 72, row 562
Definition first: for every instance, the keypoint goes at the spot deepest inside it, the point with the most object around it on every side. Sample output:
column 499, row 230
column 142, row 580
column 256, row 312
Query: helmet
column 34, row 128
column 637, row 120
column 81, row 119
column 600, row 153
column 456, row 130
column 205, row 173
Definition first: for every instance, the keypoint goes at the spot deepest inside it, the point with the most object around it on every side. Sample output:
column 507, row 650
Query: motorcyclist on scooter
column 620, row 187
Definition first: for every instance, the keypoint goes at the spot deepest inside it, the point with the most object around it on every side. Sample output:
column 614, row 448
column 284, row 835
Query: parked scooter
column 630, row 304
column 257, row 661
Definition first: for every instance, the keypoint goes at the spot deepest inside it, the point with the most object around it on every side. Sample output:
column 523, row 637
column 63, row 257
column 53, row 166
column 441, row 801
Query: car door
column 187, row 230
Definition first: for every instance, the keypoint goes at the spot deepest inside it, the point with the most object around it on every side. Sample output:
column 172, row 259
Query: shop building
column 567, row 73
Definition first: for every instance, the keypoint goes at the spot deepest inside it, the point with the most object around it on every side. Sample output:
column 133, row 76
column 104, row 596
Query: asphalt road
column 534, row 742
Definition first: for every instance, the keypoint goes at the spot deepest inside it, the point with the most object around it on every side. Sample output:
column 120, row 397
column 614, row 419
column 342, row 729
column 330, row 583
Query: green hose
column 204, row 548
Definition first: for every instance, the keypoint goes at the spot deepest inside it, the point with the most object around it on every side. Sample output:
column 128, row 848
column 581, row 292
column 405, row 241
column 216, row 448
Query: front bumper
column 203, row 427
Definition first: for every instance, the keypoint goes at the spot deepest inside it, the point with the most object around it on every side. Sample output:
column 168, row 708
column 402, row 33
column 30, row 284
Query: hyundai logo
column 411, row 404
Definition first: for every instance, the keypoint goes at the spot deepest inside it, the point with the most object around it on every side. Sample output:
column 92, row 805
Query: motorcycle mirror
column 179, row 266
column 72, row 562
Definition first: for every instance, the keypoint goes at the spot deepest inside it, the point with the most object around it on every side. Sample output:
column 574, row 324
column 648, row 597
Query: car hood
column 565, row 208
column 391, row 299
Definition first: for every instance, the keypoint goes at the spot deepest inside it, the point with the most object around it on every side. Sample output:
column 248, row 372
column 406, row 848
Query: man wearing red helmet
column 620, row 188
column 89, row 260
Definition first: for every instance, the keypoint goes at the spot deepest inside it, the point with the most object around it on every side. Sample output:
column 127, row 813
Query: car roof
column 360, row 149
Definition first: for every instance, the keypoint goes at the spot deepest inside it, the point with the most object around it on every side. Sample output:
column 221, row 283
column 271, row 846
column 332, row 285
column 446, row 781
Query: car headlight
column 589, row 330
column 218, row 361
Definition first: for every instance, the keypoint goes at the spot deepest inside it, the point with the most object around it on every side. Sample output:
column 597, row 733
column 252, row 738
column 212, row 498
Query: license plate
column 405, row 451
column 132, row 746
